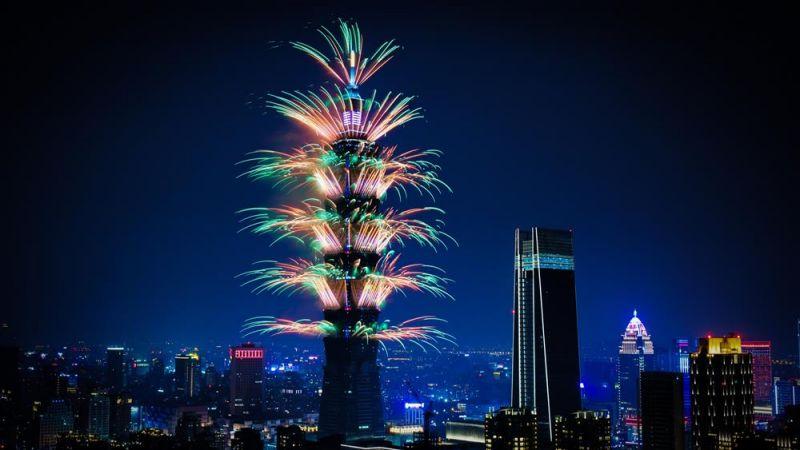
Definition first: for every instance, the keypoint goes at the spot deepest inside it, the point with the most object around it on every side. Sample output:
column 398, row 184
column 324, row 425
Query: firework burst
column 345, row 115
column 371, row 172
column 355, row 268
column 346, row 62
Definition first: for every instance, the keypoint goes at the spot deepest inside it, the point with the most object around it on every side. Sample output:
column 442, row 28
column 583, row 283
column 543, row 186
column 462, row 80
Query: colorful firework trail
column 353, row 235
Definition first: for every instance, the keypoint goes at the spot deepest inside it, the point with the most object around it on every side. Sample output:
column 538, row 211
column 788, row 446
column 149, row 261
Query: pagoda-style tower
column 349, row 228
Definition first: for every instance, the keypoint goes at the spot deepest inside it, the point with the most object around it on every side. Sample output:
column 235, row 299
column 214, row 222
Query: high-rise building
column 187, row 374
column 582, row 430
column 511, row 429
column 546, row 372
column 798, row 343
column 635, row 355
column 762, row 377
column 120, row 415
column 467, row 432
column 681, row 350
column 785, row 392
column 351, row 402
column 99, row 415
column 188, row 427
column 722, row 390
column 662, row 410
column 56, row 419
column 414, row 413
column 246, row 380
column 290, row 438
column 115, row 368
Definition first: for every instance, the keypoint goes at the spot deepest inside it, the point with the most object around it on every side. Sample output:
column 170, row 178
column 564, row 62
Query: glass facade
column 546, row 372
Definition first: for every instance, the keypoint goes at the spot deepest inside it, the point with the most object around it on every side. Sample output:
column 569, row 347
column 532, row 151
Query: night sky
column 663, row 137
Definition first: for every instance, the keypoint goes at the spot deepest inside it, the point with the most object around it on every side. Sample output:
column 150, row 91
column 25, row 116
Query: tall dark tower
column 115, row 368
column 351, row 395
column 546, row 371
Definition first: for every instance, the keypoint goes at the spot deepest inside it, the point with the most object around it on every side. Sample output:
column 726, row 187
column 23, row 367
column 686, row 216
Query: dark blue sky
column 665, row 138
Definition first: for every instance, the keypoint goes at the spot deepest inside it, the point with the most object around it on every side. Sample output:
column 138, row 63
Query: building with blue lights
column 546, row 366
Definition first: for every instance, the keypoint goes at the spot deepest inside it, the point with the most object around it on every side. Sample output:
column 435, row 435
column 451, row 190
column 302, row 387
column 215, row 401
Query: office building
column 115, row 368
column 635, row 355
column 466, row 432
column 546, row 372
column 511, row 429
column 762, row 377
column 351, row 403
column 662, row 411
column 99, row 416
column 120, row 415
column 722, row 391
column 246, row 381
column 56, row 419
column 786, row 392
column 582, row 430
column 187, row 374
column 414, row 413
column 290, row 438
column 681, row 350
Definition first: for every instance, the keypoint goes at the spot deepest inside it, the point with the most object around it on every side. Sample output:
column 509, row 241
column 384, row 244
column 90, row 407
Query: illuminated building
column 662, row 411
column 56, row 419
column 246, row 380
column 680, row 352
column 120, row 415
column 510, row 429
column 466, row 432
column 546, row 371
column 414, row 413
column 188, row 427
column 187, row 374
column 635, row 355
column 351, row 228
column 722, row 390
column 762, row 378
column 99, row 416
column 582, row 430
column 115, row 368
column 785, row 392
column 290, row 438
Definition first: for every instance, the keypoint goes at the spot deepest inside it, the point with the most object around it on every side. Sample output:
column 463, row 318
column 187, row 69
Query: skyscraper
column 681, row 351
column 662, row 410
column 187, row 374
column 582, row 430
column 115, row 368
column 246, row 380
column 785, row 392
column 99, row 415
column 762, row 377
column 511, row 429
column 635, row 355
column 546, row 372
column 56, row 419
column 722, row 391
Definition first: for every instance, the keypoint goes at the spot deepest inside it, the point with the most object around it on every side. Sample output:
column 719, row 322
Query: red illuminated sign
column 248, row 353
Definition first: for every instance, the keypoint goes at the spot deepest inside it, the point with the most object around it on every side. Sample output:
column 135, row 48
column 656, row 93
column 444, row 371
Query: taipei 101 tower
column 351, row 226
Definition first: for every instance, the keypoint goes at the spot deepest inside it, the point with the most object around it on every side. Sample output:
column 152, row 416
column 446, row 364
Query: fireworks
column 372, row 173
column 355, row 268
column 413, row 331
column 345, row 115
column 369, row 288
column 347, row 64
